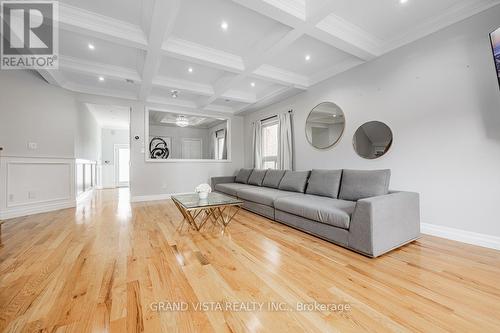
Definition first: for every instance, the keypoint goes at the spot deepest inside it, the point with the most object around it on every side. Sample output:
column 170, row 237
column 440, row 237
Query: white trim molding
column 469, row 237
column 30, row 210
column 34, row 205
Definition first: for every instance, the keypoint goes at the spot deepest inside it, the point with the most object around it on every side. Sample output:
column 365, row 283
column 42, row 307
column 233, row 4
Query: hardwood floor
column 107, row 266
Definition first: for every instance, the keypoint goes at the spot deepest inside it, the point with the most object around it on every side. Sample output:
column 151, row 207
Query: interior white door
column 122, row 165
column 191, row 149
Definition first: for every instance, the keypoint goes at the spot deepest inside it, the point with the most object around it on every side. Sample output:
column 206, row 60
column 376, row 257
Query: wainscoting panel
column 34, row 185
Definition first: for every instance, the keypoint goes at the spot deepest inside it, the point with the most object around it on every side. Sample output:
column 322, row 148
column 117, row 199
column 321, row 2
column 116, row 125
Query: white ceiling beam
column 93, row 90
column 281, row 76
column 308, row 26
column 239, row 96
column 104, row 27
column 196, row 53
column 201, row 89
column 189, row 51
column 347, row 37
column 172, row 102
column 256, row 60
column 162, row 24
column 98, row 69
column 183, row 85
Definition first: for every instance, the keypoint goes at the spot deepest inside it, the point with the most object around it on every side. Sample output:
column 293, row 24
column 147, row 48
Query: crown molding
column 339, row 28
column 296, row 8
column 100, row 91
column 86, row 22
column 98, row 69
column 219, row 108
column 458, row 12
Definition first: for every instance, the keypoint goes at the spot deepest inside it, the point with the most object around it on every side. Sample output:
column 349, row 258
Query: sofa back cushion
column 257, row 177
column 243, row 175
column 325, row 183
column 273, row 178
column 360, row 184
column 294, row 181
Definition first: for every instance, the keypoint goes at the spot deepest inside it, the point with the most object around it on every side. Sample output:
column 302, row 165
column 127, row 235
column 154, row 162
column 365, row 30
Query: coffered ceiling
column 232, row 56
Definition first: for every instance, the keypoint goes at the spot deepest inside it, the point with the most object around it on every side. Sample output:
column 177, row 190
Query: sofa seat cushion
column 231, row 188
column 321, row 209
column 262, row 195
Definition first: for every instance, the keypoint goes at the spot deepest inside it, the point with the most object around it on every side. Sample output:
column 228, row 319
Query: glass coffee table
column 218, row 208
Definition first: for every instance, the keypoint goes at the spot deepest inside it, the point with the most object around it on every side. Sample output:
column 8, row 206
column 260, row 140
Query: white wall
column 110, row 137
column 88, row 135
column 441, row 99
column 29, row 109
column 35, row 180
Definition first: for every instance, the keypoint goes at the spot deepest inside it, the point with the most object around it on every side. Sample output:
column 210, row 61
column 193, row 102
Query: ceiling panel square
column 200, row 22
column 320, row 57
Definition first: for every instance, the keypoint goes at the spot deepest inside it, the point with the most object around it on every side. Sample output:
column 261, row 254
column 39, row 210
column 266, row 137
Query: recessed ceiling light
column 224, row 25
column 91, row 46
column 307, row 57
column 101, row 78
column 403, row 1
column 190, row 69
column 252, row 84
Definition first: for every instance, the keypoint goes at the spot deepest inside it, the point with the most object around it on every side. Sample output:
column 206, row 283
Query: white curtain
column 224, row 150
column 285, row 142
column 257, row 145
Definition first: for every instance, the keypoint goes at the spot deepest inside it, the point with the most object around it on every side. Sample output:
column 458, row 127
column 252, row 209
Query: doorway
column 122, row 165
column 192, row 149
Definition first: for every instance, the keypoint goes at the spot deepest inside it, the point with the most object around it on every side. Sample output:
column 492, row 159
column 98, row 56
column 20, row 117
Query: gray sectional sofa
column 351, row 208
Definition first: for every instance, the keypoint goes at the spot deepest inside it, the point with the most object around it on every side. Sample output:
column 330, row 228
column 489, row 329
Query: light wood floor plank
column 105, row 267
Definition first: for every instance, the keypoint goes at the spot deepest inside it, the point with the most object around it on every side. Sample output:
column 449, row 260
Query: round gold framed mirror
column 325, row 125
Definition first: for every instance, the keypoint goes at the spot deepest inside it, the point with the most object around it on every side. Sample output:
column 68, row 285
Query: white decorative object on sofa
column 203, row 190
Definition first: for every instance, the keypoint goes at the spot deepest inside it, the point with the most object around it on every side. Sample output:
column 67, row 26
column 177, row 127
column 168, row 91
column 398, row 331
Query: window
column 270, row 143
column 220, row 138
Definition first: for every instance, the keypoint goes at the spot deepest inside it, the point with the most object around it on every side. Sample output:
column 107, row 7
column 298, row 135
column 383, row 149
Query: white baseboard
column 11, row 213
column 155, row 197
column 469, row 237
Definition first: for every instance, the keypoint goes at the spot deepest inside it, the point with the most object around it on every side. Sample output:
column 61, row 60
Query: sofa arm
column 380, row 224
column 222, row 180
